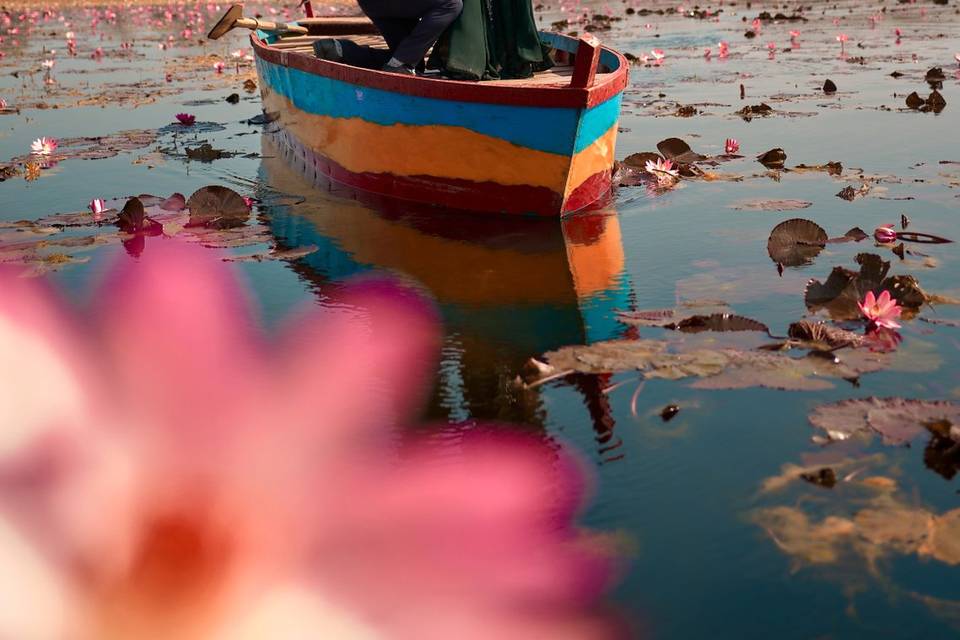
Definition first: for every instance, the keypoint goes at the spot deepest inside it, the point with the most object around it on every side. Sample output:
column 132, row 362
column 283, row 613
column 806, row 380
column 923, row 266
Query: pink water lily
column 724, row 48
column 97, row 207
column 261, row 488
column 956, row 57
column 44, row 146
column 842, row 39
column 731, row 146
column 881, row 312
column 3, row 103
column 658, row 55
column 186, row 119
column 885, row 234
column 218, row 66
column 663, row 170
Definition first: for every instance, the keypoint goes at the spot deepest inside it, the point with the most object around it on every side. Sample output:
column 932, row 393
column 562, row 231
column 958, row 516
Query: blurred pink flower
column 166, row 472
column 707, row 53
column 794, row 35
column 658, row 55
column 731, row 146
column 44, row 146
column 186, row 119
column 756, row 25
column 724, row 48
column 3, row 103
column 885, row 234
column 956, row 57
column 881, row 312
column 218, row 66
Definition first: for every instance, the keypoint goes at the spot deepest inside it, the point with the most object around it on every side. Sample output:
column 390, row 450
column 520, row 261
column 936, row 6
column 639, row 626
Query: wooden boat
column 541, row 146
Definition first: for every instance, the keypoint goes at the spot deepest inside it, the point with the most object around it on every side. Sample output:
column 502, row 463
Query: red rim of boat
column 455, row 90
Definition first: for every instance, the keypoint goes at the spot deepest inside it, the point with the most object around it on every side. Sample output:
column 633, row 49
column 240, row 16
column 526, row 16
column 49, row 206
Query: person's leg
column 439, row 15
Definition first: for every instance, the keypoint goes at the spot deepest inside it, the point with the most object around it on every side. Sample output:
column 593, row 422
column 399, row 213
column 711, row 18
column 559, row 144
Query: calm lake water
column 712, row 553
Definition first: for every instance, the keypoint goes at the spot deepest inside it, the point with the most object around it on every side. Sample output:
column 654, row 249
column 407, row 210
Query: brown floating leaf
column 773, row 159
column 843, row 289
column 639, row 160
column 829, row 86
column 132, row 216
column 796, row 242
column 832, row 168
column 914, row 101
column 823, row 336
column 678, row 150
column 718, row 322
column 717, row 368
column 848, row 193
column 217, row 207
column 853, row 235
column 748, row 112
column 772, row 205
column 898, row 420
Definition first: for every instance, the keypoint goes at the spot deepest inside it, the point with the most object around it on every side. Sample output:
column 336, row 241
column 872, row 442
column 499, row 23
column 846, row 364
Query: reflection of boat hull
column 514, row 148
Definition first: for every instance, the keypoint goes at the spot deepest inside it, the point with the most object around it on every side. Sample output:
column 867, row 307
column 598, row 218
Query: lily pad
column 897, row 420
column 678, row 150
column 773, row 159
column 217, row 207
column 772, row 205
column 796, row 242
column 844, row 288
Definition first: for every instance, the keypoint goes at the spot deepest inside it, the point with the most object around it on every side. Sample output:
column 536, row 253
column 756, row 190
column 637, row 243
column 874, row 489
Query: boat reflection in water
column 508, row 288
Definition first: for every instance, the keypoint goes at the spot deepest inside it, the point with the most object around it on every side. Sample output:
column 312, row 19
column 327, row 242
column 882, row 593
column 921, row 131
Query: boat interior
column 363, row 33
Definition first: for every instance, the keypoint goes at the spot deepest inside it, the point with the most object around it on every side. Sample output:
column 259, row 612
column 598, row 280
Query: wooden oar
column 234, row 18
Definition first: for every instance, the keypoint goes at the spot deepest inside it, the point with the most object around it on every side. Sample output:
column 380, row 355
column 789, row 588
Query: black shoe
column 400, row 69
column 328, row 49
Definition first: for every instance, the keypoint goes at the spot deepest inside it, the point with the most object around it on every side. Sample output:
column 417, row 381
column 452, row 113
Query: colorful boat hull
column 545, row 150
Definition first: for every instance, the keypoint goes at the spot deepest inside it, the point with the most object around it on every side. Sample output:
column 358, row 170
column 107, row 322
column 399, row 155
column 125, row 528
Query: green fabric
column 492, row 39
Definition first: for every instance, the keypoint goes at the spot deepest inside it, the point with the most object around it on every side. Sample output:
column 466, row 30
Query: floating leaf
column 796, row 242
column 678, row 150
column 639, row 160
column 772, row 205
column 718, row 322
column 898, row 420
column 829, row 86
column 843, row 289
column 217, row 207
column 819, row 335
column 773, row 159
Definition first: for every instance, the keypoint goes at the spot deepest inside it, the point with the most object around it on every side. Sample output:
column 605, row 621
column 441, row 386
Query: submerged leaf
column 718, row 322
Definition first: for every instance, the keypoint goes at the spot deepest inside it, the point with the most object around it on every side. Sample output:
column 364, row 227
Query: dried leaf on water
column 678, row 150
column 796, row 242
column 897, row 420
column 771, row 205
column 773, row 159
column 217, row 207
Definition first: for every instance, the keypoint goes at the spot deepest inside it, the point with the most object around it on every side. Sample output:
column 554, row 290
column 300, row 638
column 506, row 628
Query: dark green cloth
column 492, row 39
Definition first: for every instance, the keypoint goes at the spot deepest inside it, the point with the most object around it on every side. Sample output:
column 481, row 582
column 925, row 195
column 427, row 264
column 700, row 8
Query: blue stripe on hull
column 541, row 128
column 597, row 121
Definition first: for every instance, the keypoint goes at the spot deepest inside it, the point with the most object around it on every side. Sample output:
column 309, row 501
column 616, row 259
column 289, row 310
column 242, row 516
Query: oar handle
column 265, row 25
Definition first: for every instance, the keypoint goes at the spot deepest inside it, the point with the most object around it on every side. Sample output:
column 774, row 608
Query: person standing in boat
column 410, row 27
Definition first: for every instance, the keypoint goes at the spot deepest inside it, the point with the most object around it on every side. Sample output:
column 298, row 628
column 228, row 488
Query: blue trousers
column 411, row 27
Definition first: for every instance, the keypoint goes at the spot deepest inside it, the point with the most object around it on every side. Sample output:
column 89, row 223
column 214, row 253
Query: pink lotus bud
column 97, row 207
column 885, row 234
column 186, row 119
